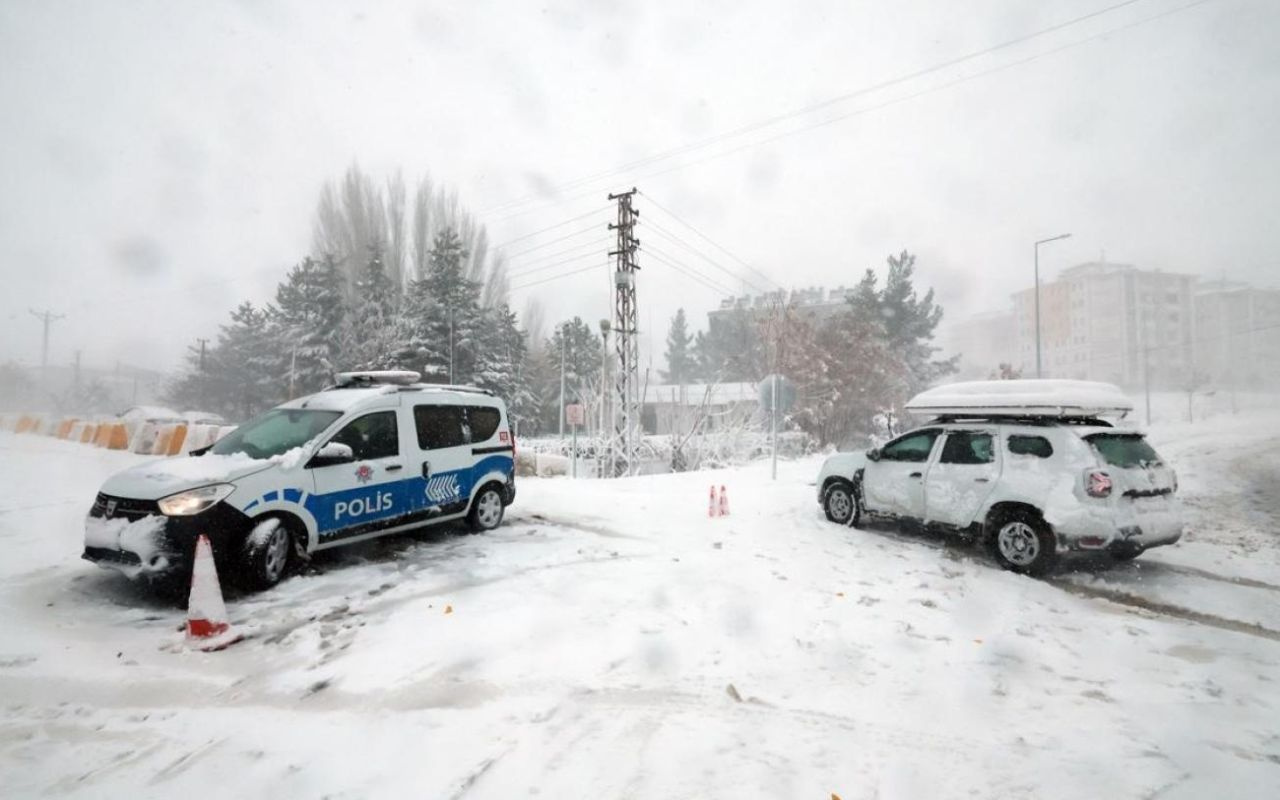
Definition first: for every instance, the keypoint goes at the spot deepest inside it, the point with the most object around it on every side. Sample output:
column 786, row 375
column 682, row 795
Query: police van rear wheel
column 268, row 553
column 486, row 511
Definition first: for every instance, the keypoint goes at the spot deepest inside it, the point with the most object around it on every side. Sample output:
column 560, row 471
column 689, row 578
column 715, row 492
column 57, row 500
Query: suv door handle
column 915, row 475
column 393, row 467
column 982, row 480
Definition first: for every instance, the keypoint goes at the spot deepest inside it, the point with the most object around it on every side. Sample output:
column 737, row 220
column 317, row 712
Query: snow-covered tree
column 240, row 375
column 307, row 323
column 370, row 338
column 909, row 320
column 442, row 322
column 680, row 365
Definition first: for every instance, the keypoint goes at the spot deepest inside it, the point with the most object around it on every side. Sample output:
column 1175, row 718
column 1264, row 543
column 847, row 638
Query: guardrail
column 145, row 438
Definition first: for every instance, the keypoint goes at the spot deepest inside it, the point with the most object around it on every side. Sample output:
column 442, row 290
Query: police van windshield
column 275, row 432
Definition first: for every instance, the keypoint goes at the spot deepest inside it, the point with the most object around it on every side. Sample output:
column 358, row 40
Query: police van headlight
column 184, row 504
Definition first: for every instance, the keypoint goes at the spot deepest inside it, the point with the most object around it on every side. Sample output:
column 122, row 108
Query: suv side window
column 484, row 422
column 441, row 426
column 1037, row 446
column 912, row 447
column 967, row 447
column 371, row 436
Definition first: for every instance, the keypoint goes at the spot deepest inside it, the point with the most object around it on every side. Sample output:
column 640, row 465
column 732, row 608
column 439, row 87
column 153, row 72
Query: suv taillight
column 1097, row 483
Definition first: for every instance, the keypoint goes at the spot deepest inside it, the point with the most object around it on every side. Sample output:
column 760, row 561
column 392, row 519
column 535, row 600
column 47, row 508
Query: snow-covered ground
column 612, row 641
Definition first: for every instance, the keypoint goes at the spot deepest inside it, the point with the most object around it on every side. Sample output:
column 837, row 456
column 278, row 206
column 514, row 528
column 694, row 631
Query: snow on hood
column 163, row 477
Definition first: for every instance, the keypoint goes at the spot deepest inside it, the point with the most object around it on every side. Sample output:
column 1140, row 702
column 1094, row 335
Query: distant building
column 1236, row 340
column 1109, row 322
column 673, row 408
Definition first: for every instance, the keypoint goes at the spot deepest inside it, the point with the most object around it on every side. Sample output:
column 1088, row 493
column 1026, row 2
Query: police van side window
column 371, row 436
column 440, row 426
column 484, row 422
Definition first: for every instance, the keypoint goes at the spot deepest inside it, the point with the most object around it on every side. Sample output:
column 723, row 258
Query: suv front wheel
column 1021, row 541
column 841, row 504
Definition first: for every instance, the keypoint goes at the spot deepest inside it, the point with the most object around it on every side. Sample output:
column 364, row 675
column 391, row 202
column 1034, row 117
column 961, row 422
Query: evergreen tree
column 240, row 375
column 680, row 364
column 580, row 348
column 442, row 321
column 909, row 321
column 307, row 323
column 731, row 349
column 371, row 332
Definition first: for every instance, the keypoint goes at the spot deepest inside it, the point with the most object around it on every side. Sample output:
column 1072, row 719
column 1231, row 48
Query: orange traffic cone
column 207, row 623
column 724, row 502
column 713, row 507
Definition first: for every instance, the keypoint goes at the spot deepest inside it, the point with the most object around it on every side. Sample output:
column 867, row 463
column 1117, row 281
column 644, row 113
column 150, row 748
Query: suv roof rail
column 1023, row 420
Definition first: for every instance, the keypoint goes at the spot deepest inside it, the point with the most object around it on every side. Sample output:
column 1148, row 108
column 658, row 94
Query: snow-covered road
column 611, row 641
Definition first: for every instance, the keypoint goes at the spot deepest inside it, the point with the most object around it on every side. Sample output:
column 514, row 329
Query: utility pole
column 1146, row 377
column 202, row 342
column 563, row 336
column 76, row 379
column 605, row 419
column 451, row 346
column 47, row 317
column 626, row 328
column 1039, row 372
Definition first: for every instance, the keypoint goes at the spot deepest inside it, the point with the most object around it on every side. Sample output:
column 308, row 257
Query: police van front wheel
column 486, row 510
column 268, row 553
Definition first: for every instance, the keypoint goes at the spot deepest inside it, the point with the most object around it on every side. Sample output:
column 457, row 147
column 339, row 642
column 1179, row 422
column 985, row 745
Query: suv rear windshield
column 275, row 432
column 1124, row 449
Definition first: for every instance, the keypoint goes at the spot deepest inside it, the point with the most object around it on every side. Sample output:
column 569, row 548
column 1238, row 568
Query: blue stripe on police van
column 292, row 495
column 271, row 496
column 251, row 505
column 334, row 511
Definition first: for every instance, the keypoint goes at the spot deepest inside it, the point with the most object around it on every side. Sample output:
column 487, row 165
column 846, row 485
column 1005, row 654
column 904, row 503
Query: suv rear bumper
column 1127, row 529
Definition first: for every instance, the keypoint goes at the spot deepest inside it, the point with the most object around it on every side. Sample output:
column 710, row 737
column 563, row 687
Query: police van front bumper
column 133, row 537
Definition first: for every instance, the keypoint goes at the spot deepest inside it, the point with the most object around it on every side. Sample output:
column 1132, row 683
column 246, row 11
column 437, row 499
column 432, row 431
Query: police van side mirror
column 873, row 454
column 330, row 454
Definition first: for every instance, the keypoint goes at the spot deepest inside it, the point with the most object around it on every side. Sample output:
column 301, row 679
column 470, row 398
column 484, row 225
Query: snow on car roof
column 1024, row 398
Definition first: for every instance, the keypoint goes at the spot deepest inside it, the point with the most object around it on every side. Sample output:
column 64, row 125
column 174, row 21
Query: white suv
column 375, row 454
column 1032, row 481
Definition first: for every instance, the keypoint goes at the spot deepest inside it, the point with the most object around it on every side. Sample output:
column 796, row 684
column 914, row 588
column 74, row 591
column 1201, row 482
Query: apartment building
column 1236, row 340
column 1110, row 322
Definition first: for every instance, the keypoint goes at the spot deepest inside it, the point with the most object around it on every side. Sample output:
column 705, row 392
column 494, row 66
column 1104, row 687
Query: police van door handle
column 393, row 467
column 915, row 475
column 426, row 469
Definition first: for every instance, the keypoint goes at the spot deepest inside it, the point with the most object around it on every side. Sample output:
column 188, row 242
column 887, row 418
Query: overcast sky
column 160, row 161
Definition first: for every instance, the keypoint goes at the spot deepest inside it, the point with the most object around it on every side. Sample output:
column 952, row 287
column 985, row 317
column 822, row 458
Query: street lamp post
column 1039, row 371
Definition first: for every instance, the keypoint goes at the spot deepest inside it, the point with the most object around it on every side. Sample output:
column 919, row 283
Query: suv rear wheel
column 1021, row 541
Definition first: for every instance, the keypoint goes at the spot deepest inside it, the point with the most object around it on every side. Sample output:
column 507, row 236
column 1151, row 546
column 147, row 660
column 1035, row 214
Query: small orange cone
column 207, row 624
column 713, row 507
column 724, row 502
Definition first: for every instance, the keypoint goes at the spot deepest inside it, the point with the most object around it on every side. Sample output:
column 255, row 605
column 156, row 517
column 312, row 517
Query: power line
column 668, row 235
column 685, row 268
column 869, row 89
column 603, row 242
column 593, row 212
column 550, row 242
column 709, row 240
column 552, row 278
column 545, row 267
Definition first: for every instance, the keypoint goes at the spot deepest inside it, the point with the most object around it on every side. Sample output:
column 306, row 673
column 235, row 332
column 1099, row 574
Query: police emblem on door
column 364, row 473
column 442, row 489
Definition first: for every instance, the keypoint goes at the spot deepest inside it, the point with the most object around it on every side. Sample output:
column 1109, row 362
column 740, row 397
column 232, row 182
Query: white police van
column 376, row 453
